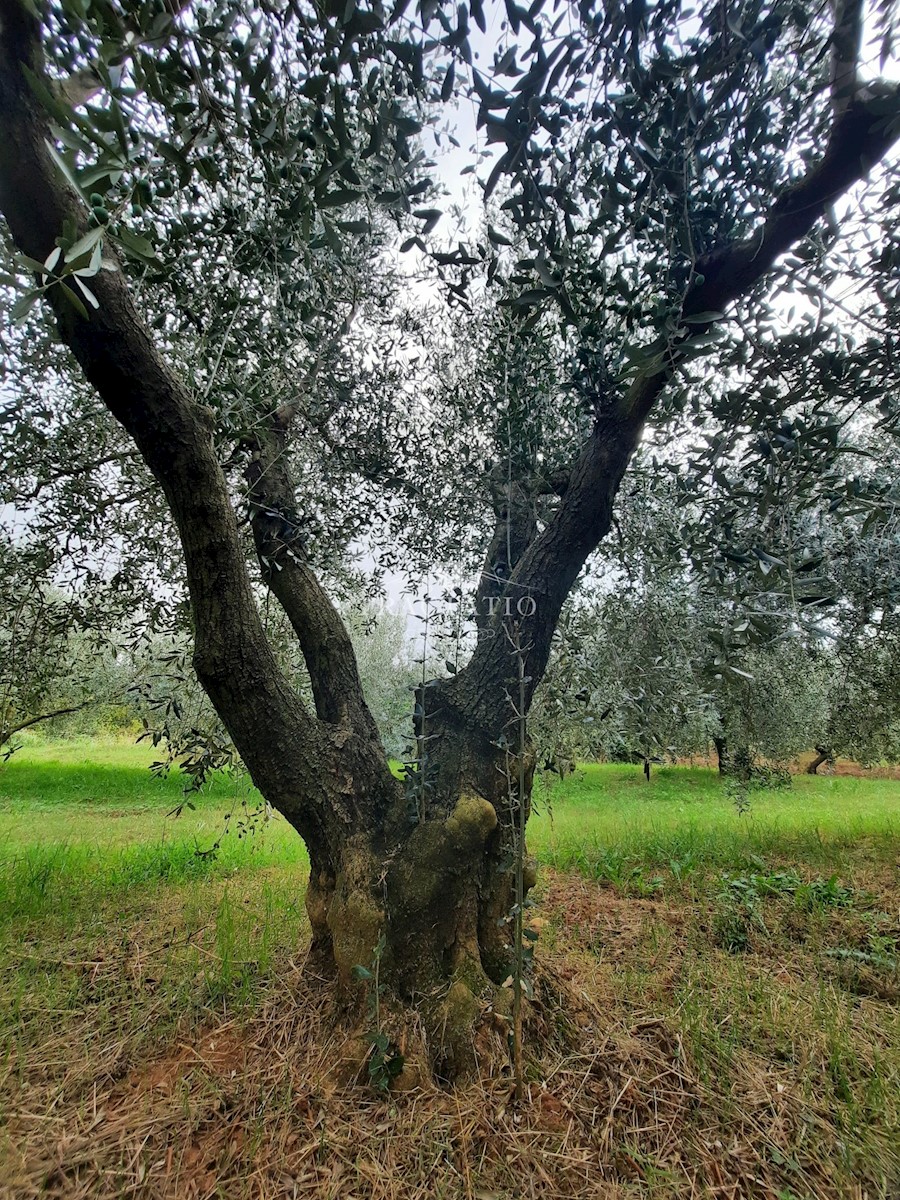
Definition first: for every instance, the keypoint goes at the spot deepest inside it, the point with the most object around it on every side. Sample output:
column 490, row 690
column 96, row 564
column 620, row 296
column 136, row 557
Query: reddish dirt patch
column 220, row 1054
column 841, row 766
column 594, row 913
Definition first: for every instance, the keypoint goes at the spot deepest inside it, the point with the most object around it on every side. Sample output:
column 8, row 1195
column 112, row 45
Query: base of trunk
column 451, row 1040
column 424, row 926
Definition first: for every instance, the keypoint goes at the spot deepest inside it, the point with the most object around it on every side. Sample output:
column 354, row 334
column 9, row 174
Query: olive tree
column 626, row 680
column 196, row 190
column 59, row 649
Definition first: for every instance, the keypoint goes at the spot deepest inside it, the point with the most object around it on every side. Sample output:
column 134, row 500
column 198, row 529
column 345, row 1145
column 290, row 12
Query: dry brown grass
column 249, row 1109
column 661, row 1066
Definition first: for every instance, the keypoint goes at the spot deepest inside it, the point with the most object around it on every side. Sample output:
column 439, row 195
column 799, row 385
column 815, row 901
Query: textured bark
column 438, row 890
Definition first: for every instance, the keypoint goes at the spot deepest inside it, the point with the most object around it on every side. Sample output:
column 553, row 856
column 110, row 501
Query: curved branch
column 323, row 637
column 860, row 138
column 274, row 734
column 861, row 135
column 8, row 731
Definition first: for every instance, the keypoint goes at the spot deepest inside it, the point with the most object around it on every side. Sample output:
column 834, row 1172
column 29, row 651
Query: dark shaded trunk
column 721, row 745
column 823, row 755
column 434, row 885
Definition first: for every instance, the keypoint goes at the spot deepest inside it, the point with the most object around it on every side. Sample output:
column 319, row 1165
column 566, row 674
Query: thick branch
column 275, row 736
column 323, row 637
column 324, row 641
column 859, row 139
column 544, row 576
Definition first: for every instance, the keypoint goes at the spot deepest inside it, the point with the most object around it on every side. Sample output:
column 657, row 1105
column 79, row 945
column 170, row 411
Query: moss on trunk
column 427, row 917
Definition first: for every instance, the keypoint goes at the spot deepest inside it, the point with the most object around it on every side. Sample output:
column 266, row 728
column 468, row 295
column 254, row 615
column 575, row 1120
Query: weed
column 865, row 958
column 739, row 908
column 823, row 893
column 385, row 1060
column 734, row 921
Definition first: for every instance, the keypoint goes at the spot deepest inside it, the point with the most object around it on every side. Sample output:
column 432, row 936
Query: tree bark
column 721, row 745
column 823, row 755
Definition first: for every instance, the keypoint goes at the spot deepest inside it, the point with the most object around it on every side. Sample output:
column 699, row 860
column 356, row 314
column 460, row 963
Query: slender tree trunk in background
column 823, row 755
column 721, row 745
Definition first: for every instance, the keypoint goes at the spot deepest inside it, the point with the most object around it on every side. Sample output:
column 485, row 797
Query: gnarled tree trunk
column 823, row 755
column 432, row 882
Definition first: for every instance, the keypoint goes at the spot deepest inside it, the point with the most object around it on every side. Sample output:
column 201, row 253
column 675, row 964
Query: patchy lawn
column 717, row 1006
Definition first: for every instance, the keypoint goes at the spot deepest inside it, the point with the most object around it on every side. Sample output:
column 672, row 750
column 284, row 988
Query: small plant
column 759, row 884
column 734, row 922
column 738, row 907
column 881, row 948
column 740, row 896
column 745, row 775
column 681, row 868
column 823, row 893
column 385, row 1062
column 866, row 958
column 636, row 883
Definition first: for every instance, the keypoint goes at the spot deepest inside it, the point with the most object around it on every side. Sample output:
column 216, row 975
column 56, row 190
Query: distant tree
column 51, row 649
column 863, row 703
column 626, row 681
column 384, row 652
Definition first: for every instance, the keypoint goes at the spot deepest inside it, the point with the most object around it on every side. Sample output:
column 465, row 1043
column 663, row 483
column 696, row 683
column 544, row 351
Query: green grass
column 82, row 817
column 763, row 945
column 118, row 929
column 607, row 819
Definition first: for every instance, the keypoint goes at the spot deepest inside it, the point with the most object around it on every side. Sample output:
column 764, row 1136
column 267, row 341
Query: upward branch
column 324, row 640
column 861, row 135
column 271, row 729
column 863, row 130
